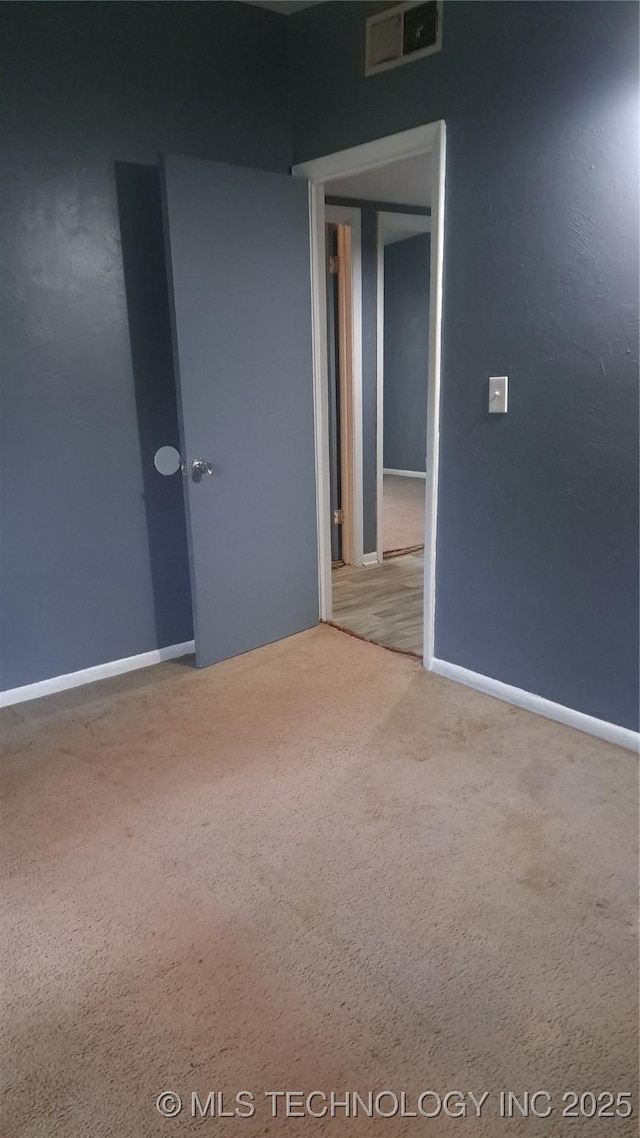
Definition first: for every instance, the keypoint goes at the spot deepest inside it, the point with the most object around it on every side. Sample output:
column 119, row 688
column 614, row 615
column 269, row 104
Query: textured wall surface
column 93, row 552
column 538, row 522
column 538, row 530
column 406, row 352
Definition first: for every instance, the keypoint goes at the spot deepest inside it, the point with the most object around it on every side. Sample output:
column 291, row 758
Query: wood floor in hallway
column 382, row 602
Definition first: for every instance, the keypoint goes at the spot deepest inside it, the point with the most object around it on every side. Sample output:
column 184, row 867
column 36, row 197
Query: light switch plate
column 498, row 394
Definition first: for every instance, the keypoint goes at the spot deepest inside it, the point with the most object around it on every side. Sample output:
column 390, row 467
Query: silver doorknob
column 199, row 466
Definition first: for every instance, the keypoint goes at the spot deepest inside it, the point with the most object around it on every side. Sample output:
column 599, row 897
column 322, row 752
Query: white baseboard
column 610, row 732
column 90, row 675
column 370, row 559
column 405, row 473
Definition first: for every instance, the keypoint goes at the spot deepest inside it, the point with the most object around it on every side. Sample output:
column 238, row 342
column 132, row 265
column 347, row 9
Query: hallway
column 402, row 512
column 382, row 602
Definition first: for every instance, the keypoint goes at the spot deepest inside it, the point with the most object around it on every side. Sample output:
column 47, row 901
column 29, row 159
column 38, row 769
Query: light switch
column 498, row 394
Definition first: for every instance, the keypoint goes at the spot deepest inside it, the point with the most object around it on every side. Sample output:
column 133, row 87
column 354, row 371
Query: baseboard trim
column 90, row 675
column 610, row 732
column 370, row 559
column 600, row 728
column 404, row 473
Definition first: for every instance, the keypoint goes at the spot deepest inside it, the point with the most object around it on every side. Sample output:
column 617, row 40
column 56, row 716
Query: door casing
column 429, row 139
column 348, row 220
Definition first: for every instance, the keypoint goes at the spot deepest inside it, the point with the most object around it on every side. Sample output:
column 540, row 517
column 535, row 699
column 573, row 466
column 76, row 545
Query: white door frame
column 349, row 215
column 425, row 227
column 429, row 139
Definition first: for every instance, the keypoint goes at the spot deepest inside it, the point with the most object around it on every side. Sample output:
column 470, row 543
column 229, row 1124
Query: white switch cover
column 498, row 394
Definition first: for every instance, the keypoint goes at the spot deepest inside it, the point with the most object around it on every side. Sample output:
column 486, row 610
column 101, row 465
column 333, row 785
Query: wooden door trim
column 345, row 342
column 348, row 221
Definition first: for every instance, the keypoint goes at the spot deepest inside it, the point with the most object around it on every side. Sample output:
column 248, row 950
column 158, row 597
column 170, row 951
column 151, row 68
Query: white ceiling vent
column 402, row 33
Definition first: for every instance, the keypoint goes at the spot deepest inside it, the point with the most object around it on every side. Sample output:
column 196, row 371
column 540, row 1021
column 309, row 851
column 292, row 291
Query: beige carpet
column 402, row 512
column 314, row 867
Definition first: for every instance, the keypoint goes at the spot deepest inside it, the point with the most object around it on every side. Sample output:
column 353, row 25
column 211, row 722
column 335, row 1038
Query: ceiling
column 394, row 227
column 407, row 182
column 286, row 7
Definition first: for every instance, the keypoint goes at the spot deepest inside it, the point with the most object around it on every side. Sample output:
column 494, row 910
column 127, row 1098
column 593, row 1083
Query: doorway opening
column 377, row 384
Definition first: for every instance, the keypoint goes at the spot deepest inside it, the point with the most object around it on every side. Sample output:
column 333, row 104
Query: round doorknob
column 200, row 466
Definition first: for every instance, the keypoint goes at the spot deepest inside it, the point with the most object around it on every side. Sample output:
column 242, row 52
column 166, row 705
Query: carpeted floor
column 402, row 512
column 314, row 867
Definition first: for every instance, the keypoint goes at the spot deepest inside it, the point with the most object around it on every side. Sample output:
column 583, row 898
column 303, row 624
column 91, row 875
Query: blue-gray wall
column 538, row 523
column 406, row 352
column 538, row 534
column 93, row 541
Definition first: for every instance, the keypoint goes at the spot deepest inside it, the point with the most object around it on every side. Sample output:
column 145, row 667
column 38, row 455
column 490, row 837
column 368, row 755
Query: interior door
column 333, row 370
column 237, row 243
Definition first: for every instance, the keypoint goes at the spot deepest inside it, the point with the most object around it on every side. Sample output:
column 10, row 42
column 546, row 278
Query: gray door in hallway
column 237, row 243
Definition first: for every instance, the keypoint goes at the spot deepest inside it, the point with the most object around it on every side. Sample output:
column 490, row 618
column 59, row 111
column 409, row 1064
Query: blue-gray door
column 237, row 245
